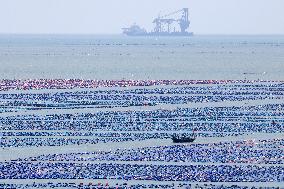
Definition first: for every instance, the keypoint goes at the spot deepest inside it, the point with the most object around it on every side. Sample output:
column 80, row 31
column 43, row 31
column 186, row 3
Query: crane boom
column 172, row 13
column 172, row 24
column 183, row 21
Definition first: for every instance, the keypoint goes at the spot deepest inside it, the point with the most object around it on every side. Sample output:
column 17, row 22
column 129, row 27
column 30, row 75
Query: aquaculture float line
column 80, row 83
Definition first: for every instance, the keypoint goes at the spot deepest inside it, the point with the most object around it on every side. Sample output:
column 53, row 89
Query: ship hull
column 187, row 34
column 182, row 140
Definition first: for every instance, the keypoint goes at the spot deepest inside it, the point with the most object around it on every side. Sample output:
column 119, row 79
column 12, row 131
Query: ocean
column 69, row 118
column 115, row 57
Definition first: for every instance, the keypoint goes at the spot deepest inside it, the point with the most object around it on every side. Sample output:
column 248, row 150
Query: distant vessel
column 164, row 26
column 183, row 138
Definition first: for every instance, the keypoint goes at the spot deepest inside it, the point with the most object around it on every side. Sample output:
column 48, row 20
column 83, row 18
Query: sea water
column 121, row 57
column 110, row 57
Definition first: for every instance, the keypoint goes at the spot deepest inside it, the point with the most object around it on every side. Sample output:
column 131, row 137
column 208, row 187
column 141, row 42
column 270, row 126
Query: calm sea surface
column 118, row 57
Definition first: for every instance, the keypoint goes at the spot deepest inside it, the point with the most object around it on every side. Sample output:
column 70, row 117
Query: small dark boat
column 182, row 139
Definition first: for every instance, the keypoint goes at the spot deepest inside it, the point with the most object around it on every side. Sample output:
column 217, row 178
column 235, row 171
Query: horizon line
column 120, row 34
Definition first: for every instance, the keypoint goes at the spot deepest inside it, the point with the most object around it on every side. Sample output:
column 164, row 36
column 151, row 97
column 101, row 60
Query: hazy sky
column 109, row 16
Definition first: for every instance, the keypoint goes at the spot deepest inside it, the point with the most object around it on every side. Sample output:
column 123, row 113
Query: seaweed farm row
column 118, row 134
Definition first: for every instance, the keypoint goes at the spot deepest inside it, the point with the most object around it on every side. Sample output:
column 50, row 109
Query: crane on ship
column 164, row 20
column 164, row 25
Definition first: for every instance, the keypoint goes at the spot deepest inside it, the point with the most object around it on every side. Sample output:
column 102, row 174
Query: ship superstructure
column 166, row 25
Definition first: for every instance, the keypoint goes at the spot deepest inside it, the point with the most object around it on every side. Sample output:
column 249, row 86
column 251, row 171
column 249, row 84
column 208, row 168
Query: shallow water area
column 112, row 126
column 107, row 57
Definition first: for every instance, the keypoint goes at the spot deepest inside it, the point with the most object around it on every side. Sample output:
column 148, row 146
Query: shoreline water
column 73, row 128
column 119, row 57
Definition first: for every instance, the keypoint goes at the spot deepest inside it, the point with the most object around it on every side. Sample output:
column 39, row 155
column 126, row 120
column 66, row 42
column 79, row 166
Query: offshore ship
column 164, row 26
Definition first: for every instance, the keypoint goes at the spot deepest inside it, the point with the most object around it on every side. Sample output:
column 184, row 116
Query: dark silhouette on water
column 183, row 138
column 165, row 25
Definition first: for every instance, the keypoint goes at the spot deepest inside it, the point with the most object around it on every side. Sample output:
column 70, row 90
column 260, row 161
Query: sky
column 109, row 16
